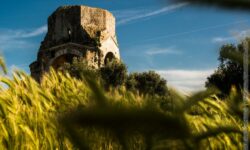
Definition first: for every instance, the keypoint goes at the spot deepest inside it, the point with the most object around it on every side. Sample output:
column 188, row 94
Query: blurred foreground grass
column 65, row 113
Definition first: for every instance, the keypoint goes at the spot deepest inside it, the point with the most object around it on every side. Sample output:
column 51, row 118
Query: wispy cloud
column 194, row 31
column 222, row 39
column 15, row 44
column 33, row 33
column 236, row 35
column 133, row 15
column 148, row 50
column 127, row 13
column 10, row 38
column 168, row 50
column 186, row 80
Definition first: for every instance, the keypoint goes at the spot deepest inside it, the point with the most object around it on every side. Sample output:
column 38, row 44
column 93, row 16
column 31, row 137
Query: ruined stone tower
column 77, row 31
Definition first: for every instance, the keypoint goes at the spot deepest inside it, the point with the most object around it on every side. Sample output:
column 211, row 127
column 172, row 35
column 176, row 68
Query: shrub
column 114, row 73
column 78, row 68
column 147, row 83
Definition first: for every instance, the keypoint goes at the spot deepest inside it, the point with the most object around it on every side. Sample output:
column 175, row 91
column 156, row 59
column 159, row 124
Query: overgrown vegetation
column 114, row 74
column 69, row 113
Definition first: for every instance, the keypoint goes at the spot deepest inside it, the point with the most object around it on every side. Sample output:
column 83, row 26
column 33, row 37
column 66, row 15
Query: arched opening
column 61, row 60
column 109, row 57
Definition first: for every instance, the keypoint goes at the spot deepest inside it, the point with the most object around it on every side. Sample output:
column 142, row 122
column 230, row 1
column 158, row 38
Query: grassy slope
column 29, row 115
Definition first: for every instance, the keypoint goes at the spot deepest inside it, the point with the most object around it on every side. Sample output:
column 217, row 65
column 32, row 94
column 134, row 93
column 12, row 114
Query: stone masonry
column 77, row 31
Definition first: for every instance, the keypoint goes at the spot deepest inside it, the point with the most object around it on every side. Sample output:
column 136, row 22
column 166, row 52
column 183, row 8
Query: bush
column 78, row 68
column 147, row 83
column 114, row 73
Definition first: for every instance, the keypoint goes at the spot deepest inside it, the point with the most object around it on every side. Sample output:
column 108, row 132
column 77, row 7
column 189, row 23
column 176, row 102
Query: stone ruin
column 77, row 31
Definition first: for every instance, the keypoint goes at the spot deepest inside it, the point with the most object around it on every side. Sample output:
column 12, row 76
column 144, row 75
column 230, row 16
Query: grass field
column 66, row 113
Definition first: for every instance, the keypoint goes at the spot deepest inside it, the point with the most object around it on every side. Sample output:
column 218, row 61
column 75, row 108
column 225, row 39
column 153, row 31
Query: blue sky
column 180, row 41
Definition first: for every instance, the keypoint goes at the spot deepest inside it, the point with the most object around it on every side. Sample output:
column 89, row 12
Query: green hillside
column 65, row 113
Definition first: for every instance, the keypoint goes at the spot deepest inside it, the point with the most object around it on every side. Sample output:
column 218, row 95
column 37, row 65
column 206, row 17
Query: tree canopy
column 230, row 71
column 147, row 83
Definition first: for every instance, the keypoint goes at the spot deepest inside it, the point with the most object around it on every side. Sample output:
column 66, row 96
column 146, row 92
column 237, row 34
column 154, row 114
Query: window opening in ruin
column 109, row 57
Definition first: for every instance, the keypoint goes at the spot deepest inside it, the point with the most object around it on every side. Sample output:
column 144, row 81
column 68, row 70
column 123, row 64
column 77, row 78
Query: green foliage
column 230, row 70
column 114, row 73
column 78, row 68
column 149, row 83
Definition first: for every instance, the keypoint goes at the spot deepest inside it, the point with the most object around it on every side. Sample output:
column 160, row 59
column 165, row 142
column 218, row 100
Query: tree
column 114, row 73
column 147, row 83
column 230, row 70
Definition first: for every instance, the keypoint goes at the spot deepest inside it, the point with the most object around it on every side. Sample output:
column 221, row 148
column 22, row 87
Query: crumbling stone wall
column 79, row 31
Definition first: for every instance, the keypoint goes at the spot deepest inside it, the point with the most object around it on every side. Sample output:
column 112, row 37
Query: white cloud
column 133, row 15
column 236, row 35
column 127, row 13
column 15, row 44
column 148, row 50
column 10, row 38
column 186, row 80
column 33, row 33
column 222, row 39
column 195, row 31
column 168, row 50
